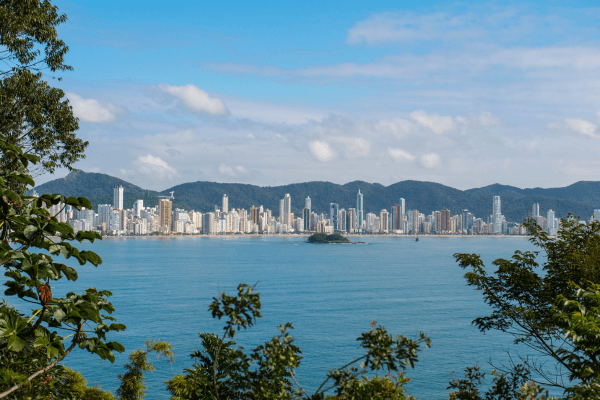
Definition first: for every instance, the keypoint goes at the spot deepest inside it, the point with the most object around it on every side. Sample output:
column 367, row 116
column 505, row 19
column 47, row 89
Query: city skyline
column 164, row 219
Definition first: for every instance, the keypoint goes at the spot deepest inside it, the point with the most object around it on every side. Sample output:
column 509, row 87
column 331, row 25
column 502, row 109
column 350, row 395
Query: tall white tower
column 497, row 215
column 402, row 206
column 225, row 207
column 359, row 210
column 287, row 209
column 118, row 197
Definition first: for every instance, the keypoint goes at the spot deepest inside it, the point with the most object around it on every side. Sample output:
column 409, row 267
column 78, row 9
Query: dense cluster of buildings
column 163, row 219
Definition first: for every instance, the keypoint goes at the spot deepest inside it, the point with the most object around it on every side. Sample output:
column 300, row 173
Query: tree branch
column 43, row 370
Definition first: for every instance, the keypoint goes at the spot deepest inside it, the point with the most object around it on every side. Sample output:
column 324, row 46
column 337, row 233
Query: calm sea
column 163, row 286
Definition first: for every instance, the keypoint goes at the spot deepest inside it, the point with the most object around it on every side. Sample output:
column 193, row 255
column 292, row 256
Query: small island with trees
column 324, row 238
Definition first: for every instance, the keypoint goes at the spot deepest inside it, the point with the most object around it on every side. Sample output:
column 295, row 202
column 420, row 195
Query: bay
column 162, row 287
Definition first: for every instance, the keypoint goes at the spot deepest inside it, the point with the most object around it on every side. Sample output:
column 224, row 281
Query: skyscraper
column 497, row 215
column 307, row 203
column 254, row 215
column 225, row 207
column 535, row 210
column 552, row 223
column 466, row 223
column 138, row 206
column 395, row 217
column 118, row 197
column 287, row 209
column 402, row 206
column 359, row 211
column 445, row 221
column 334, row 209
column 165, row 210
column 342, row 218
column 306, row 217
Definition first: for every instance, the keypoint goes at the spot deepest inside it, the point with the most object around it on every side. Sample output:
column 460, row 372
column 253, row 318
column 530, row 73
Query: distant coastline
column 304, row 235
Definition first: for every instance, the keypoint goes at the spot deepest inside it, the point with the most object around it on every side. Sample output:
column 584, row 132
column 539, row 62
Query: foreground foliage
column 528, row 300
column 31, row 243
column 223, row 370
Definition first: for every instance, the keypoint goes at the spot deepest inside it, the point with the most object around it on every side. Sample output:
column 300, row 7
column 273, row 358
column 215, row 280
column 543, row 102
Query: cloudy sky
column 269, row 93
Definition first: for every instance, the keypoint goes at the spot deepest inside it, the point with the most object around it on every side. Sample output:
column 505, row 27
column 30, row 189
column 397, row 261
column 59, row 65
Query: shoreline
column 352, row 235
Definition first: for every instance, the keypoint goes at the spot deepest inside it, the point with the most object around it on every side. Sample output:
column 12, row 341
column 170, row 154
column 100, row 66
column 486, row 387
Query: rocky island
column 324, row 238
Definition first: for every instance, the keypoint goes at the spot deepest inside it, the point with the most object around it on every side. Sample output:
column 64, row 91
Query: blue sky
column 461, row 93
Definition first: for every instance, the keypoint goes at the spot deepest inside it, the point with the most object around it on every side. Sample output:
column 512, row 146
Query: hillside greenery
column 424, row 196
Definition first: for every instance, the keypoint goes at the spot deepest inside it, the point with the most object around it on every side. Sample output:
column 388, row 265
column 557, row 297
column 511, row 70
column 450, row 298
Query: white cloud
column 150, row 165
column 195, row 98
column 435, row 123
column 430, row 160
column 90, row 110
column 583, row 127
column 322, row 151
column 389, row 27
column 400, row 155
column 232, row 171
column 397, row 126
column 355, row 146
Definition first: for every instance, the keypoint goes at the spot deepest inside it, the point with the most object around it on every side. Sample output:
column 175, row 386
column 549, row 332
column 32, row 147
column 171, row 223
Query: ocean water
column 162, row 287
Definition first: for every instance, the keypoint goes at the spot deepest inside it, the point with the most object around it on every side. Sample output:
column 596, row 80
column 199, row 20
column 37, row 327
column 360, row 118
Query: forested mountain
column 580, row 198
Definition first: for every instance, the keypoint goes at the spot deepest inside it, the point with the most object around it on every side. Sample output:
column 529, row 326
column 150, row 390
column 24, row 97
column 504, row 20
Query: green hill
column 580, row 198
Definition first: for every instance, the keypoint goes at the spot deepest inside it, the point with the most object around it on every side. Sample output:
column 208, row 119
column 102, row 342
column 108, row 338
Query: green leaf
column 29, row 231
column 52, row 352
column 15, row 343
column 116, row 346
column 59, row 315
column 85, row 202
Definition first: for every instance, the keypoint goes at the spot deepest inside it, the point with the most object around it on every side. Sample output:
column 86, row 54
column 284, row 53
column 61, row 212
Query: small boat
column 417, row 239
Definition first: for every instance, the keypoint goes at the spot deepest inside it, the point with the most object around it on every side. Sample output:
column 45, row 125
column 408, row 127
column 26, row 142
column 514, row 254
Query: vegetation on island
column 326, row 239
column 552, row 307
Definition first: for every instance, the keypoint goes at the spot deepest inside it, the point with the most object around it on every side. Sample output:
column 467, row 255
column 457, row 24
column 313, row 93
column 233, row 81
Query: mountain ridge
column 580, row 198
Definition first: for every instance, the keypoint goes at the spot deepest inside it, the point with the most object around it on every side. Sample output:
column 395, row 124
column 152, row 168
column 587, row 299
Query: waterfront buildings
column 164, row 218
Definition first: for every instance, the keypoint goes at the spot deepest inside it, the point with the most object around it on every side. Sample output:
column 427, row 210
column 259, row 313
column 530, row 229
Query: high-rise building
column 165, row 211
column 138, row 206
column 445, row 221
column 118, row 197
column 306, row 218
column 282, row 211
column 104, row 214
column 351, row 225
column 208, row 223
column 535, row 210
column 342, row 218
column 254, row 215
column 384, row 221
column 287, row 210
column 552, row 223
column 497, row 215
column 359, row 211
column 307, row 203
column 334, row 209
column 395, row 217
column 402, row 206
column 466, row 221
column 225, row 205
column 416, row 221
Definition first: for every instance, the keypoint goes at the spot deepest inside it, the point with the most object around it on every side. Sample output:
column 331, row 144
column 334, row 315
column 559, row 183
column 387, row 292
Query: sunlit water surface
column 163, row 286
